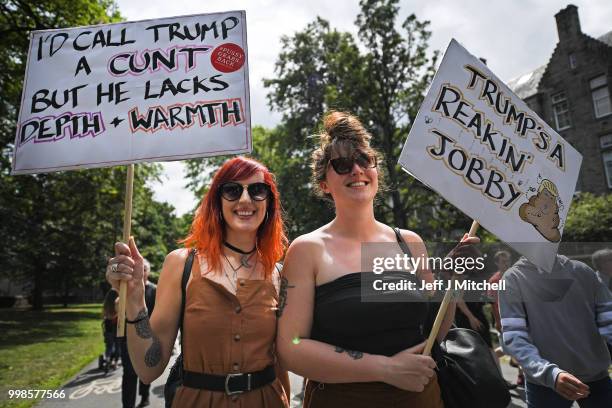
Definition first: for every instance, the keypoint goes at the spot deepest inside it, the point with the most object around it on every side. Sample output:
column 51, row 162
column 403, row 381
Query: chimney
column 568, row 23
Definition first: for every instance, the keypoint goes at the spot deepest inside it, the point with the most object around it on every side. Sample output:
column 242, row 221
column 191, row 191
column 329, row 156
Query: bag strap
column 401, row 242
column 184, row 280
column 432, row 307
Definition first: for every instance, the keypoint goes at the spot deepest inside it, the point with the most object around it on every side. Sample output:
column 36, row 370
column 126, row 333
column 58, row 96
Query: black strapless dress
column 352, row 317
column 348, row 315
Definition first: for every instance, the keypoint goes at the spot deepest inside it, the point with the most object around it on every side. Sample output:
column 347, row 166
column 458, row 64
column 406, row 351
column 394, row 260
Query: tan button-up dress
column 226, row 333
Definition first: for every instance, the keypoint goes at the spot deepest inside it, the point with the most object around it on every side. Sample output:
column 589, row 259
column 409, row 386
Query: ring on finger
column 114, row 267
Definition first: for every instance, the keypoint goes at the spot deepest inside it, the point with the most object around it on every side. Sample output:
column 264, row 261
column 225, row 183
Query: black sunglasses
column 232, row 191
column 344, row 165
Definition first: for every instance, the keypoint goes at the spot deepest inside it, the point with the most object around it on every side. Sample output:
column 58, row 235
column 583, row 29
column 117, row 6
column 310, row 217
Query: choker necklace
column 244, row 259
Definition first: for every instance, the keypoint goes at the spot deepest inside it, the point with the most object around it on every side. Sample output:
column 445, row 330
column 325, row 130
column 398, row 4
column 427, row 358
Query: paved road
column 91, row 388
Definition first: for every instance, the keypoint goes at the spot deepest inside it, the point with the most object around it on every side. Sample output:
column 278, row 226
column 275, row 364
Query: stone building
column 572, row 94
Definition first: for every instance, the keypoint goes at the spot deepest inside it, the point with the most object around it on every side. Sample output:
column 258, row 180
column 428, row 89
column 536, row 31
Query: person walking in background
column 470, row 313
column 502, row 260
column 130, row 379
column 109, row 330
column 556, row 325
column 602, row 261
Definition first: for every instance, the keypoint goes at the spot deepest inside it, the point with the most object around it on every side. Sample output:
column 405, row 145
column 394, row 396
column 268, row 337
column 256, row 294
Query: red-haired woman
column 229, row 325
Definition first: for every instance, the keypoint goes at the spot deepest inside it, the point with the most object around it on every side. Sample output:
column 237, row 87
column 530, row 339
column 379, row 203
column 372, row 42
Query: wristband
column 138, row 319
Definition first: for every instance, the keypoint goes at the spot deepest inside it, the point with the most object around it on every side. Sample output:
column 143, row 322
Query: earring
column 220, row 217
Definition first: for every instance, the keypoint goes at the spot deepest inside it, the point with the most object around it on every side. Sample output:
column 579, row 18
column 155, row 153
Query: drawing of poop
column 542, row 211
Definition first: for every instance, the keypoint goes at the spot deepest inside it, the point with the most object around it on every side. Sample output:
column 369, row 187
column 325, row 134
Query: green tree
column 589, row 219
column 321, row 68
column 59, row 228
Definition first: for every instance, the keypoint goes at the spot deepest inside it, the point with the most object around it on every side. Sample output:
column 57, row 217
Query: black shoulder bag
column 175, row 378
column 467, row 374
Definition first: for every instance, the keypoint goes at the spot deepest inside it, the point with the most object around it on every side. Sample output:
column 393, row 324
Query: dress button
column 237, row 337
column 235, row 366
column 238, row 309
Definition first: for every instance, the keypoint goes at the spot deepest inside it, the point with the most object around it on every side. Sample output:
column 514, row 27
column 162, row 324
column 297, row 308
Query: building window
column 601, row 96
column 572, row 61
column 605, row 141
column 607, row 161
column 561, row 111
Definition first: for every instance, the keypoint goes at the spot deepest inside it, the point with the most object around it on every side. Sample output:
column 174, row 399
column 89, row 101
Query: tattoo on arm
column 282, row 296
column 143, row 330
column 153, row 354
column 355, row 355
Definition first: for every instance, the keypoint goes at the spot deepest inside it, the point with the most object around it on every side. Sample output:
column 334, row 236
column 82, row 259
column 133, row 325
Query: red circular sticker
column 227, row 57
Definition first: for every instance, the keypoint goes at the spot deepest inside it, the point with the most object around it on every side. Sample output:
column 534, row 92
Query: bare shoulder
column 173, row 264
column 302, row 256
column 311, row 242
column 179, row 254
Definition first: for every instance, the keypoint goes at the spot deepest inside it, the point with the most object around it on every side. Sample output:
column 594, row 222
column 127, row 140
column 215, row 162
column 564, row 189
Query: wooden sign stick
column 127, row 226
column 444, row 305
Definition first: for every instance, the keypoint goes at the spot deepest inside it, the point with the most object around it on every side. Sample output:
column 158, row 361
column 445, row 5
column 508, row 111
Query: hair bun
column 344, row 126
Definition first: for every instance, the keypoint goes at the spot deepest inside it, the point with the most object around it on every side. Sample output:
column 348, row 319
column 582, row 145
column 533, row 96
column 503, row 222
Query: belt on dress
column 231, row 384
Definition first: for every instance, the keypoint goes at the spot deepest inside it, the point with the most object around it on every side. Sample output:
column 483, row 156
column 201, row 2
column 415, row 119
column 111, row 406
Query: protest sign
column 485, row 151
column 154, row 90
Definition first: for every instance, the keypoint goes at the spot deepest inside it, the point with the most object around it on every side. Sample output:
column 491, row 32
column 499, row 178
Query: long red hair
column 207, row 230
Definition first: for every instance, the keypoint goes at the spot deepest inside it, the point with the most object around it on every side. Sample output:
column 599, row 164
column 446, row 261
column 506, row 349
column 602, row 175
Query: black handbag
column 467, row 373
column 175, row 377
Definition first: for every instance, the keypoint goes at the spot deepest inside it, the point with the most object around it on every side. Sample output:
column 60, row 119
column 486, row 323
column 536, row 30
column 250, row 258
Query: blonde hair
column 550, row 186
column 343, row 134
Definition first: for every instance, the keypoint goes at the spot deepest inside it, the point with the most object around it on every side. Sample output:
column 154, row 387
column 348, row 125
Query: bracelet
column 139, row 319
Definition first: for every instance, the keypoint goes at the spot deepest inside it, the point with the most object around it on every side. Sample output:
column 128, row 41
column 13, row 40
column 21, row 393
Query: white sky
column 515, row 36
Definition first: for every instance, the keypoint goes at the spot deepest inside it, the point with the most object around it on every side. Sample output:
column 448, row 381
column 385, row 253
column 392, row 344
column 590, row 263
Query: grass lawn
column 43, row 350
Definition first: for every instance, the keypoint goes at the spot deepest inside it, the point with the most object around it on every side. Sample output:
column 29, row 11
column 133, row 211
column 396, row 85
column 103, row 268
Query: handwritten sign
column 485, row 151
column 154, row 90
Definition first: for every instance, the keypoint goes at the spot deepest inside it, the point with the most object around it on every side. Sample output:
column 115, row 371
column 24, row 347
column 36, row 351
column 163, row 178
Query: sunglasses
column 344, row 165
column 233, row 191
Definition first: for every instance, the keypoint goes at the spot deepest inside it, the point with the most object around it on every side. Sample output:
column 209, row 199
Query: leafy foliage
column 381, row 77
column 589, row 219
column 59, row 228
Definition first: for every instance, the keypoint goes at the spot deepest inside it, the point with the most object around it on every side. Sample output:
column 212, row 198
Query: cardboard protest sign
column 154, row 90
column 482, row 148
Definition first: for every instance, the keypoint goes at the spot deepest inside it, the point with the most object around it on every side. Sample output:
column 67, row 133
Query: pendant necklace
column 245, row 255
column 235, row 272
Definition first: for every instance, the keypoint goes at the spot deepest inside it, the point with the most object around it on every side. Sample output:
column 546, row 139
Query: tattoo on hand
column 143, row 330
column 282, row 296
column 355, row 355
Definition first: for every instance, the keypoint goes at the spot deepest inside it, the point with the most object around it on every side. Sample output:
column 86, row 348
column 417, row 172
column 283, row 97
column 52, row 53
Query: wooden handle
column 127, row 226
column 474, row 229
column 438, row 322
column 444, row 305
